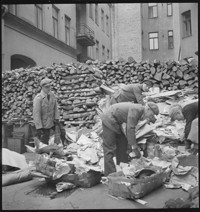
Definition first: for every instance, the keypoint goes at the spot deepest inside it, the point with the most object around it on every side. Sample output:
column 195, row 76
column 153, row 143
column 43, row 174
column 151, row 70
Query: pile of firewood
column 73, row 84
column 76, row 85
column 168, row 75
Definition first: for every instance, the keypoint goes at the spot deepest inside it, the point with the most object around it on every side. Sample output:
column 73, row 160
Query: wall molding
column 33, row 32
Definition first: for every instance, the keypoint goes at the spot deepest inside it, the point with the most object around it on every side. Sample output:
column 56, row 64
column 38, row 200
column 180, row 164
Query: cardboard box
column 121, row 186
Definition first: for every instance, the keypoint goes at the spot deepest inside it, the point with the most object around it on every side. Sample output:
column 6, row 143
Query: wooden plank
column 107, row 90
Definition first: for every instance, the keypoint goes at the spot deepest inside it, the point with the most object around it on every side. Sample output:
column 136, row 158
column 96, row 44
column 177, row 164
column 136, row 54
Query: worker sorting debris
column 131, row 93
column 114, row 140
column 190, row 114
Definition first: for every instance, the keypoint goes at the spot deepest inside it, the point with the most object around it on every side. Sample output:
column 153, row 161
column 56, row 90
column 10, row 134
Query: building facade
column 149, row 31
column 43, row 34
column 188, row 29
column 126, row 31
column 160, row 31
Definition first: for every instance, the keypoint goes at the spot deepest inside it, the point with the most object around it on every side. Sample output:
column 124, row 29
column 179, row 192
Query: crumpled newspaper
column 61, row 186
column 84, row 140
column 89, row 155
column 61, row 168
column 165, row 152
column 184, row 177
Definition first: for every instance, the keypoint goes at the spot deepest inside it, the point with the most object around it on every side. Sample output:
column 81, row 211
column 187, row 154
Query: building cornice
column 33, row 32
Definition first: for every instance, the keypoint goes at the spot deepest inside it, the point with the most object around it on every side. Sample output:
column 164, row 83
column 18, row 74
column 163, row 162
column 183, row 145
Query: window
column 169, row 9
column 102, row 20
column 108, row 54
column 107, row 24
column 170, row 39
column 55, row 21
column 153, row 10
column 67, row 30
column 12, row 8
column 96, row 14
column 39, row 18
column 90, row 52
column 97, row 49
column 103, row 52
column 187, row 28
column 153, row 41
column 91, row 11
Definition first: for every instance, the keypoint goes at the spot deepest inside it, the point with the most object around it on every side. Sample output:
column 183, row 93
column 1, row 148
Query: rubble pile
column 169, row 75
column 73, row 84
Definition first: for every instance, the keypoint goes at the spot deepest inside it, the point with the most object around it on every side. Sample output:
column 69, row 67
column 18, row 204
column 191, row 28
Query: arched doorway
column 21, row 61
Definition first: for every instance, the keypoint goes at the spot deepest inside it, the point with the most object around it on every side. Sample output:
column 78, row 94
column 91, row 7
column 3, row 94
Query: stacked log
column 73, row 84
column 168, row 75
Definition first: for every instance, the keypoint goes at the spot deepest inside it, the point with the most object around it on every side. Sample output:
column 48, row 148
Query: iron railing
column 83, row 29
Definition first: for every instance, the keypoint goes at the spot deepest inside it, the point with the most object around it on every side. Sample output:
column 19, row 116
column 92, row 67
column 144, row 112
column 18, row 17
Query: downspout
column 179, row 54
column 4, row 10
column 111, row 54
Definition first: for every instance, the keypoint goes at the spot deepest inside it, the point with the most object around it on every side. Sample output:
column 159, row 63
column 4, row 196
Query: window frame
column 97, row 48
column 13, row 9
column 170, row 36
column 39, row 7
column 184, row 31
column 67, row 29
column 96, row 15
column 107, row 25
column 108, row 54
column 102, row 20
column 55, row 20
column 103, row 52
column 91, row 11
column 168, row 10
column 154, row 49
column 152, row 7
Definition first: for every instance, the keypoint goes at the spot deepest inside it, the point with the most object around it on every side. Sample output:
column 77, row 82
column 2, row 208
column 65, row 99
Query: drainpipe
column 179, row 54
column 110, row 11
column 4, row 10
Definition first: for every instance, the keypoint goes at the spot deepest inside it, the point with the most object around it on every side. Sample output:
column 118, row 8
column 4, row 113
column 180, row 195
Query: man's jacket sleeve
column 189, row 113
column 132, row 120
column 189, row 118
column 138, row 95
column 37, row 113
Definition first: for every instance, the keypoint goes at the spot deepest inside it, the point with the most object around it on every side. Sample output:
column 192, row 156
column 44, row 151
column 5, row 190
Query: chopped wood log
column 158, row 76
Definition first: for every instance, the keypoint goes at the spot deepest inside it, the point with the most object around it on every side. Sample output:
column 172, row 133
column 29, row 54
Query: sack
column 16, row 177
column 86, row 180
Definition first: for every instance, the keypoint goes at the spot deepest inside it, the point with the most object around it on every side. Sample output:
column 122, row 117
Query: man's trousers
column 114, row 144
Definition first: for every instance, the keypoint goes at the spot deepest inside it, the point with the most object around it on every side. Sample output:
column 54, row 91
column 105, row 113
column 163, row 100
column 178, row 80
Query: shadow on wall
column 21, row 61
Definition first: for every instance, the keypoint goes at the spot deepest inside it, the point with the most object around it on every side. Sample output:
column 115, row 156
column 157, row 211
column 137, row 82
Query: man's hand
column 136, row 152
column 182, row 138
column 56, row 122
column 129, row 149
column 39, row 132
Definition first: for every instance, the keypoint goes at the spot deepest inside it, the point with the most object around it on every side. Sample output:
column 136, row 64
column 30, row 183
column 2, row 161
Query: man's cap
column 153, row 107
column 45, row 81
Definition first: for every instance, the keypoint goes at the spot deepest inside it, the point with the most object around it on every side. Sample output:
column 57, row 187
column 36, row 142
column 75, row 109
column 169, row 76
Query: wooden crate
column 25, row 128
column 16, row 144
